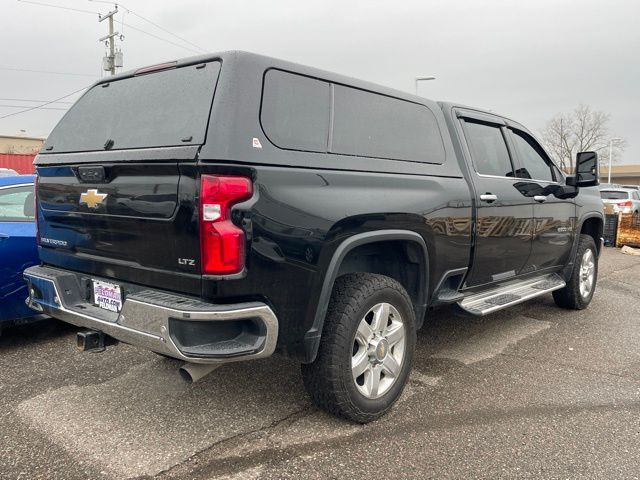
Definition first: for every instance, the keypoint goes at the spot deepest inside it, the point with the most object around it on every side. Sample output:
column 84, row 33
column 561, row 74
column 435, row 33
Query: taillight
column 35, row 199
column 626, row 203
column 222, row 244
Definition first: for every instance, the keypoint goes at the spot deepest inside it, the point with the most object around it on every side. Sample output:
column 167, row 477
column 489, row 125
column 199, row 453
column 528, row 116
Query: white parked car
column 624, row 200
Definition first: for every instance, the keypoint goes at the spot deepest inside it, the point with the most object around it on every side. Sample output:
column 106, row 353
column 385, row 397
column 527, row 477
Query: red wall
column 19, row 163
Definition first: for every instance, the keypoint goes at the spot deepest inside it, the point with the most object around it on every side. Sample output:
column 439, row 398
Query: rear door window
column 161, row 109
column 488, row 149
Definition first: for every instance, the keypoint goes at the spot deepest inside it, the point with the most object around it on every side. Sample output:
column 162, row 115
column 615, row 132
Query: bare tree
column 579, row 131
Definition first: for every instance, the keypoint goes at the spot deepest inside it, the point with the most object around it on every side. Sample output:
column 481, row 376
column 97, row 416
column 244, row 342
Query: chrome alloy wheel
column 587, row 273
column 378, row 350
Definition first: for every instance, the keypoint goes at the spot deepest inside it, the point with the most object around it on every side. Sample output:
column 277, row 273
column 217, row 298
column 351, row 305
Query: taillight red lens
column 625, row 204
column 222, row 244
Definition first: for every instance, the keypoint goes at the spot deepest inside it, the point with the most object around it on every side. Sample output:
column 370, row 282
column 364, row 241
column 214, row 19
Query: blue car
column 17, row 245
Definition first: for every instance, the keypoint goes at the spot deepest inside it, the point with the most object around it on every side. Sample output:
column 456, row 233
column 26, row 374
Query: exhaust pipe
column 192, row 372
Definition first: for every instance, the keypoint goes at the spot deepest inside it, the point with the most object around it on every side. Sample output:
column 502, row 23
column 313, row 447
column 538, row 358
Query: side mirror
column 587, row 171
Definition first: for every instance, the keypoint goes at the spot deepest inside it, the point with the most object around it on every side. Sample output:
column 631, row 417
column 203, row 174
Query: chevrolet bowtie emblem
column 92, row 198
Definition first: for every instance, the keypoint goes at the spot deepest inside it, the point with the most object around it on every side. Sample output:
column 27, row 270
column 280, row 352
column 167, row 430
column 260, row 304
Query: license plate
column 107, row 295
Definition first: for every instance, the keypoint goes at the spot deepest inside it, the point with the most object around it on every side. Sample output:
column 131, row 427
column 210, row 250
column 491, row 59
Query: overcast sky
column 527, row 59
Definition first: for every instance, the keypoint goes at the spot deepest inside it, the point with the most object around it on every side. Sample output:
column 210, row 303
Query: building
column 18, row 152
column 622, row 174
column 20, row 145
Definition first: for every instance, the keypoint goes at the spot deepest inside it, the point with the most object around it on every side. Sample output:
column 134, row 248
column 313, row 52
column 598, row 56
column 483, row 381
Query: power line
column 26, row 100
column 26, row 106
column 58, row 6
column 43, row 4
column 152, row 23
column 47, row 71
column 44, row 104
column 166, row 31
column 159, row 38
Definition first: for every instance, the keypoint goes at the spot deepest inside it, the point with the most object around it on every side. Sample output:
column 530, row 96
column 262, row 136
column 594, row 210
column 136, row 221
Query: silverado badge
column 92, row 198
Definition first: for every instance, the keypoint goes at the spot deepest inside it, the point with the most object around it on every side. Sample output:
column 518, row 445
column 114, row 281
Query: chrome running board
column 510, row 294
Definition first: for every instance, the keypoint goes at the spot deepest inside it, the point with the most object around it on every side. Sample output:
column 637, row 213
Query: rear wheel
column 582, row 284
column 367, row 348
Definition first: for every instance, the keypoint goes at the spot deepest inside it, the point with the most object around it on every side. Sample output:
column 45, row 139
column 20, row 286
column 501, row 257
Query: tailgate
column 122, row 221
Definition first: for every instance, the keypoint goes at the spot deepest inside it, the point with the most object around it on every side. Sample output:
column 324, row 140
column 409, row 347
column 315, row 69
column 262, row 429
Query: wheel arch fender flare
column 568, row 270
column 313, row 335
column 583, row 219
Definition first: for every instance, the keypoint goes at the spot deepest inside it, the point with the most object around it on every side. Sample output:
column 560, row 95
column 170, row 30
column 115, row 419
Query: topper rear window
column 161, row 109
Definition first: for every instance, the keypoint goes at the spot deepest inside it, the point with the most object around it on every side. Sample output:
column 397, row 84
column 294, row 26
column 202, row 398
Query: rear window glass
column 613, row 195
column 295, row 111
column 161, row 109
column 372, row 125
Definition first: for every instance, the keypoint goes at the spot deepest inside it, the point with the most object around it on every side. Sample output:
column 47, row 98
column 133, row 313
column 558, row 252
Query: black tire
column 570, row 297
column 329, row 380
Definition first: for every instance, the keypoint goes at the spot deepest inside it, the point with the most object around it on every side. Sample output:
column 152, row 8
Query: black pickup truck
column 226, row 207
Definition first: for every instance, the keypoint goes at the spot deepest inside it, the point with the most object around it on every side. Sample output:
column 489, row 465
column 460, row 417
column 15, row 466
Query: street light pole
column 419, row 79
column 611, row 155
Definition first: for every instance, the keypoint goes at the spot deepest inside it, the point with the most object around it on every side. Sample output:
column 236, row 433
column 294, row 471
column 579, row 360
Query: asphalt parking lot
column 533, row 391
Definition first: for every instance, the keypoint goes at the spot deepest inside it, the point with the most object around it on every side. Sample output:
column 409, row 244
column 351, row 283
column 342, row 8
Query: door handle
column 540, row 198
column 3, row 236
column 488, row 197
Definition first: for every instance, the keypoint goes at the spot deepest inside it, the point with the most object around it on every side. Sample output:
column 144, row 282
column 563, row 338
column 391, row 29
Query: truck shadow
column 15, row 336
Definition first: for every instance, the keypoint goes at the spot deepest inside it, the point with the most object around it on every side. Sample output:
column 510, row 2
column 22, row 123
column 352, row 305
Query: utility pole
column 113, row 59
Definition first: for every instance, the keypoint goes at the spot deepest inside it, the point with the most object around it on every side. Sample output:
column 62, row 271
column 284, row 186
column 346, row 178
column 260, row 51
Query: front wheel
column 366, row 351
column 580, row 288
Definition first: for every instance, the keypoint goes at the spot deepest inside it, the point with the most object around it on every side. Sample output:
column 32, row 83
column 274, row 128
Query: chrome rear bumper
column 174, row 325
